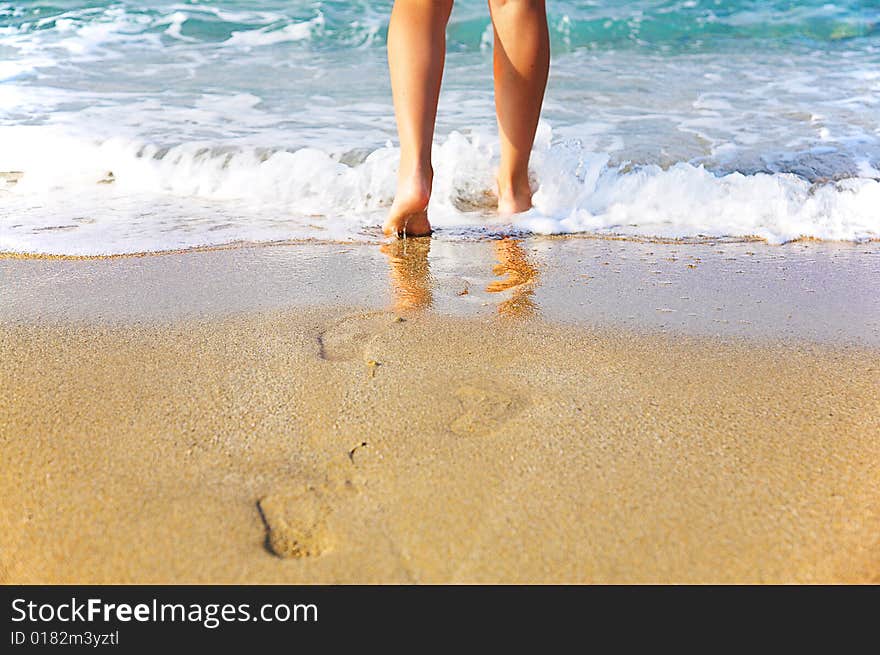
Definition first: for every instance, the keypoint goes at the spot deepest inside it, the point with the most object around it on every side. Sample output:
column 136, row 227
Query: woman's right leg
column 416, row 54
column 522, row 63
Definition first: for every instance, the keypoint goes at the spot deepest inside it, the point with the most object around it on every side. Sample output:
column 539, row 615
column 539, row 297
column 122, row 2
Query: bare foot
column 514, row 198
column 408, row 216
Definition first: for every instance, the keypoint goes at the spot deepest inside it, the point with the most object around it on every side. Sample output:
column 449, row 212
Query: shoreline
column 811, row 291
column 234, row 245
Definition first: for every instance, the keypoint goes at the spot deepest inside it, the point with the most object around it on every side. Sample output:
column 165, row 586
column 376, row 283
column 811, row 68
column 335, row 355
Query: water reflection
column 412, row 281
column 519, row 276
column 410, row 273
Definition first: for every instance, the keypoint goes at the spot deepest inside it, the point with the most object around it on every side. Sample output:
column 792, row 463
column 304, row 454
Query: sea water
column 147, row 126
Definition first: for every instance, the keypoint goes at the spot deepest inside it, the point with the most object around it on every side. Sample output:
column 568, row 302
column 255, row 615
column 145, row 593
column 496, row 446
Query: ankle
column 513, row 186
column 414, row 170
column 415, row 183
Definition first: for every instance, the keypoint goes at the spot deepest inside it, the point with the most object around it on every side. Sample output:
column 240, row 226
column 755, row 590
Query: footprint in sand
column 296, row 523
column 297, row 518
column 484, row 410
column 348, row 339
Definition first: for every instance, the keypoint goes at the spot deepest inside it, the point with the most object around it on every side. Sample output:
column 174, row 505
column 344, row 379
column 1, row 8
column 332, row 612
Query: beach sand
column 336, row 414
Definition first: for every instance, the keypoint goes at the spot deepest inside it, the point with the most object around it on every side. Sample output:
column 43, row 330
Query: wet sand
column 415, row 423
column 821, row 292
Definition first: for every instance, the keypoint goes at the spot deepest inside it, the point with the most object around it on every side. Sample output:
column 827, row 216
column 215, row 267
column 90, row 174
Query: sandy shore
column 820, row 292
column 327, row 441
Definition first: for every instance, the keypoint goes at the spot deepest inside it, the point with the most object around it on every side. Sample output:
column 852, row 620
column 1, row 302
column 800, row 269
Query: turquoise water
column 128, row 127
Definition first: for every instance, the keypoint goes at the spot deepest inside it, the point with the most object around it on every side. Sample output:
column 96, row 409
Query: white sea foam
column 121, row 195
column 268, row 36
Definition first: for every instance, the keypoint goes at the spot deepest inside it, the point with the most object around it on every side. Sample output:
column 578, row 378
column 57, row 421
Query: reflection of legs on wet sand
column 409, row 273
column 518, row 275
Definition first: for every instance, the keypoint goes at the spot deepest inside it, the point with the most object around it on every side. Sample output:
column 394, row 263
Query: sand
column 820, row 292
column 325, row 441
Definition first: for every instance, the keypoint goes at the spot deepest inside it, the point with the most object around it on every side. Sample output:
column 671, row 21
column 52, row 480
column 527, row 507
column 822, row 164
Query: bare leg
column 522, row 63
column 416, row 54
